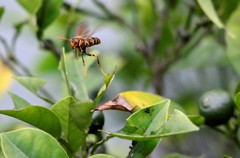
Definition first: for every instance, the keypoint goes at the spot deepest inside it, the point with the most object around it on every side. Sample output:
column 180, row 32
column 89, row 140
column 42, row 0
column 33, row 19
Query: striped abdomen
column 91, row 41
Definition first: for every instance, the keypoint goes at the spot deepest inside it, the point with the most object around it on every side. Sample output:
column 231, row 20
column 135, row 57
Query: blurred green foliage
column 177, row 49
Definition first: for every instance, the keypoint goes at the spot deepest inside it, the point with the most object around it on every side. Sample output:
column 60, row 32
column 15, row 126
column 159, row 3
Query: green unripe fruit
column 97, row 123
column 216, row 107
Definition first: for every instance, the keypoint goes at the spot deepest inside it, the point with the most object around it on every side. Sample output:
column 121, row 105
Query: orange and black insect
column 83, row 41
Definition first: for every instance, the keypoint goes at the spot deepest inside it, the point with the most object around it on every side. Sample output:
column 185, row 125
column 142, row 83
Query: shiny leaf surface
column 71, row 133
column 39, row 117
column 30, row 142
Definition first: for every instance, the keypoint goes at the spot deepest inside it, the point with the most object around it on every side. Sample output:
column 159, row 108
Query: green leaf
column 131, row 101
column 46, row 14
column 74, row 136
column 30, row 83
column 168, row 36
column 149, row 123
column 29, row 142
column 226, row 8
column 159, row 117
column 210, row 11
column 196, row 119
column 141, row 99
column 237, row 89
column 73, row 72
column 141, row 123
column 33, row 85
column 143, row 148
column 233, row 39
column 101, row 156
column 1, row 12
column 47, row 64
column 62, row 67
column 61, row 109
column 31, row 6
column 177, row 124
column 145, row 15
column 82, row 115
column 107, row 81
column 237, row 98
column 39, row 117
column 18, row 101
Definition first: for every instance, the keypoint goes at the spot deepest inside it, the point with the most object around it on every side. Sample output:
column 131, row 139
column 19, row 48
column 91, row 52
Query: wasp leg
column 84, row 66
column 99, row 65
column 76, row 53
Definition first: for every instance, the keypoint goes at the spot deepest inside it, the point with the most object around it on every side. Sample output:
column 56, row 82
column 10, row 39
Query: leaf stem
column 95, row 146
column 64, row 66
column 228, row 134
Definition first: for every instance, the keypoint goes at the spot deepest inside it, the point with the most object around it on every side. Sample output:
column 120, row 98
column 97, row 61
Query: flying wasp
column 83, row 41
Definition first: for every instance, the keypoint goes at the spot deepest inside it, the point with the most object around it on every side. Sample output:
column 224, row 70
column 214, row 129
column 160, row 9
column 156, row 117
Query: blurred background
column 167, row 47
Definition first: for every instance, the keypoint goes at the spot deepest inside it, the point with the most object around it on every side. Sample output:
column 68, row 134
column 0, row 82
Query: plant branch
column 9, row 64
column 5, row 45
column 149, row 50
column 184, row 45
column 189, row 17
column 48, row 44
column 95, row 146
column 84, row 11
column 12, row 62
column 108, row 16
column 111, row 16
column 228, row 134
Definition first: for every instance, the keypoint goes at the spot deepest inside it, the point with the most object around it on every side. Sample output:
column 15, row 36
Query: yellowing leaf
column 6, row 76
column 141, row 99
column 153, row 122
column 130, row 101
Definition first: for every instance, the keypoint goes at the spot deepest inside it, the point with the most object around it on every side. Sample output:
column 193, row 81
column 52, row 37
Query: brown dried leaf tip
column 118, row 103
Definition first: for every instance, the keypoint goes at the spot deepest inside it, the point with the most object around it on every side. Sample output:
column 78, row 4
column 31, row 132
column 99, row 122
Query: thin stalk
column 95, row 146
column 226, row 134
column 13, row 62
column 64, row 66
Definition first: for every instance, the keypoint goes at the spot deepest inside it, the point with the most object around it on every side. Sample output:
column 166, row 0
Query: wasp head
column 74, row 42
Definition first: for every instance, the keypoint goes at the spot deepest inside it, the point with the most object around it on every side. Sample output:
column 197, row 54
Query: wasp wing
column 82, row 30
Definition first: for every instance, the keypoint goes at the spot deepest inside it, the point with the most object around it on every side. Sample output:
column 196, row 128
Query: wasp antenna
column 63, row 38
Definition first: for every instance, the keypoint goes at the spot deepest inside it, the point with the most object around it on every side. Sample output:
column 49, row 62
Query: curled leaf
column 107, row 81
column 152, row 123
column 130, row 101
column 118, row 103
